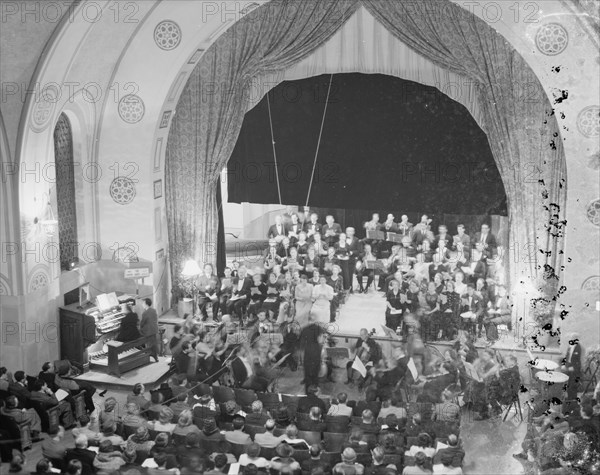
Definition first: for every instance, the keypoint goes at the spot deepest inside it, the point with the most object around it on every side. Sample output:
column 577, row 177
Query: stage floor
column 148, row 375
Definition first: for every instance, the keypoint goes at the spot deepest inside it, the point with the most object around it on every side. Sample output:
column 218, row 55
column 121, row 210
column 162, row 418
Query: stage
column 149, row 375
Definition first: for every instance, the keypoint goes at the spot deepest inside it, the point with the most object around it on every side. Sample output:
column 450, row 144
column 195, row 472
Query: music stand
column 374, row 234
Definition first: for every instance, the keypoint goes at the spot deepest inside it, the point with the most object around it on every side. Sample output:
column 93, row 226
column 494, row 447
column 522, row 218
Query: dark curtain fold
column 518, row 118
column 221, row 251
column 211, row 109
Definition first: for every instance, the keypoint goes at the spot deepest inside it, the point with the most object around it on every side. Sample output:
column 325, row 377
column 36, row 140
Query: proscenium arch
column 527, row 273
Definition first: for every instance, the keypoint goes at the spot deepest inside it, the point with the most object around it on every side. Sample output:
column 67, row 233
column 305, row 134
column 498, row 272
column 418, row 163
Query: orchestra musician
column 312, row 226
column 342, row 252
column 395, row 306
column 422, row 231
column 362, row 269
column 311, row 262
column 294, row 229
column 319, row 245
column 225, row 290
column 336, row 282
column 208, row 287
column 312, row 338
column 331, row 230
column 240, row 293
column 368, row 351
column 405, row 227
column 487, row 240
column 354, row 251
column 302, row 245
column 272, row 258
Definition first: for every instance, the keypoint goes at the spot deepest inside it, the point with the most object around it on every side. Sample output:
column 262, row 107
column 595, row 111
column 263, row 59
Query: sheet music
column 61, row 394
column 359, row 366
column 413, row 369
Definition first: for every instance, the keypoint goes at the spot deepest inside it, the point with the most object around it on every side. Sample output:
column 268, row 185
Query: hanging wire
column 274, row 151
column 312, row 175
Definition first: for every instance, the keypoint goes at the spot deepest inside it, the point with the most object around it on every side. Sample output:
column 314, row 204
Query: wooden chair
column 244, row 397
column 222, row 394
column 128, row 430
column 365, row 459
column 237, row 449
column 269, row 400
column 253, row 430
column 200, row 389
column 334, row 441
column 301, row 455
column 79, row 404
column 50, row 417
column 337, row 423
column 310, row 437
column 268, row 452
column 331, row 458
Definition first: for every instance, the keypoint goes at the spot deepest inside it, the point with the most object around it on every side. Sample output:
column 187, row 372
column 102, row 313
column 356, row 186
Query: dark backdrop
column 387, row 143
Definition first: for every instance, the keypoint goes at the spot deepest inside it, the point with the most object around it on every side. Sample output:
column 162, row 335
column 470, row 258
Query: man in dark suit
column 81, row 453
column 571, row 365
column 331, row 231
column 472, row 303
column 240, row 296
column 390, row 226
column 487, row 239
column 18, row 387
column 45, row 397
column 149, row 325
column 129, row 326
column 278, row 230
column 312, row 226
column 245, row 372
column 405, row 227
column 311, row 400
column 237, row 435
column 442, row 235
column 453, row 449
column 294, row 228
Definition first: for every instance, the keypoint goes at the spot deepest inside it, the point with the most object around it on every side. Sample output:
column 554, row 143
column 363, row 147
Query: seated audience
column 83, row 455
column 84, row 428
column 140, row 440
column 11, row 409
column 258, row 416
column 109, row 434
column 185, row 424
column 291, row 438
column 311, row 400
column 108, row 460
column 423, row 445
column 252, row 456
column 132, row 416
column 53, row 447
column 314, row 423
column 315, row 462
column 348, row 464
column 284, row 462
column 138, row 397
column 237, row 435
column 163, row 424
column 268, row 439
column 453, row 450
column 42, row 394
column 419, row 468
column 340, row 409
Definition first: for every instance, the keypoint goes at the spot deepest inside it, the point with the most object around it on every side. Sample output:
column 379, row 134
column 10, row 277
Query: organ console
column 84, row 332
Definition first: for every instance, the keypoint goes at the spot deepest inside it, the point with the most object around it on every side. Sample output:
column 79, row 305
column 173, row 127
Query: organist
column 129, row 330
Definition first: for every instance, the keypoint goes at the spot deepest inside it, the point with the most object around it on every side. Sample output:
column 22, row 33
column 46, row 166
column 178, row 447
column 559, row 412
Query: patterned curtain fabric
column 517, row 117
column 515, row 113
column 211, row 110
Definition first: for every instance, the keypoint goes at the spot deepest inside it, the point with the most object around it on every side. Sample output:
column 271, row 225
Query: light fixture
column 191, row 269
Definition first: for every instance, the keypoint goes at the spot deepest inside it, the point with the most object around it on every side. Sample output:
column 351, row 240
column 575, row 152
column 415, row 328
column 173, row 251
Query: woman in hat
column 284, row 460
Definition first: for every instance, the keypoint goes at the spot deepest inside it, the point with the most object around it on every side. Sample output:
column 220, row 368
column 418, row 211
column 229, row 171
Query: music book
column 337, row 352
column 394, row 237
column 396, row 311
column 61, row 394
column 234, row 469
column 413, row 369
column 359, row 366
column 376, row 264
column 471, row 372
column 372, row 234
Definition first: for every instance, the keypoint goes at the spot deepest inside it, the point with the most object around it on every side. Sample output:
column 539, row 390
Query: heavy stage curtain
column 515, row 114
column 518, row 119
column 388, row 145
column 212, row 107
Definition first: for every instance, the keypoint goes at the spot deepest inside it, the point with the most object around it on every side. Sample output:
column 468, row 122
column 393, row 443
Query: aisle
column 362, row 311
